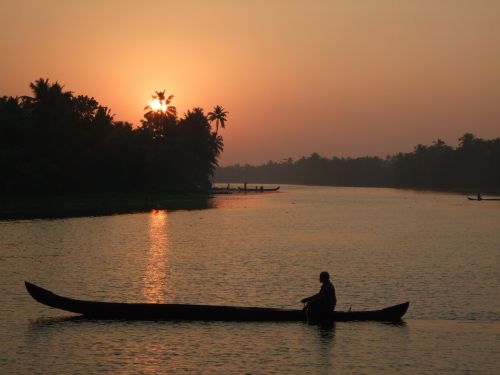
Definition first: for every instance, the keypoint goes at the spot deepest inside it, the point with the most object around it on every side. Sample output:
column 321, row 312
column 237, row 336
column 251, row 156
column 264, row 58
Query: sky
column 340, row 78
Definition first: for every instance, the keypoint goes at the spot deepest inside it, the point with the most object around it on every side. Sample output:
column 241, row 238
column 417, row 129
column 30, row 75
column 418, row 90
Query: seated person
column 322, row 304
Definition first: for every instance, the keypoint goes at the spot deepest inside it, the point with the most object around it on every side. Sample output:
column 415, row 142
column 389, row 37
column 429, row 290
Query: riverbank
column 41, row 206
column 458, row 190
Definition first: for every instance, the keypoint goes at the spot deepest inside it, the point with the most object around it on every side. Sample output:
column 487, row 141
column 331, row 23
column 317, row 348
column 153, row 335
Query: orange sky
column 344, row 78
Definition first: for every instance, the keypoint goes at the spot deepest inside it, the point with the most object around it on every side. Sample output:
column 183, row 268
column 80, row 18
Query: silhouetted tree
column 203, row 148
column 187, row 149
column 473, row 165
column 56, row 142
column 158, row 121
column 219, row 115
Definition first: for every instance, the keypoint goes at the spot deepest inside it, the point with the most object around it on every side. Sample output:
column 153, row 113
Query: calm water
column 382, row 246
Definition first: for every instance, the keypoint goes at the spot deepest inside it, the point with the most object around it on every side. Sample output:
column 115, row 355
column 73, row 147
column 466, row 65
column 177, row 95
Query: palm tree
column 160, row 116
column 164, row 102
column 45, row 91
column 219, row 116
column 40, row 88
column 50, row 103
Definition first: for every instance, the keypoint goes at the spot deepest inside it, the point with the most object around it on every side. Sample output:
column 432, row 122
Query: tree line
column 57, row 142
column 474, row 164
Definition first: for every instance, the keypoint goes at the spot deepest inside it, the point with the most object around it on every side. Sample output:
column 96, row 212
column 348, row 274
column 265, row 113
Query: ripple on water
column 382, row 247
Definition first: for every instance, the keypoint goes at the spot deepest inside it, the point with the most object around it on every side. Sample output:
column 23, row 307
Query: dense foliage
column 474, row 164
column 58, row 142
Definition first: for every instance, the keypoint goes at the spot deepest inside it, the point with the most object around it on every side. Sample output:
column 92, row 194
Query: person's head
column 324, row 276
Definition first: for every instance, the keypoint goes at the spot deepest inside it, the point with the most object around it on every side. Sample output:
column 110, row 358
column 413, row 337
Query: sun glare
column 156, row 105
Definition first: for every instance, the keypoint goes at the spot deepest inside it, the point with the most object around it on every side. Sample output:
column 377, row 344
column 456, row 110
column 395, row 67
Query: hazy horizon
column 332, row 77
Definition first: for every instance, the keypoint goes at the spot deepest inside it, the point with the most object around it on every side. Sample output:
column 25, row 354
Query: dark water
column 382, row 246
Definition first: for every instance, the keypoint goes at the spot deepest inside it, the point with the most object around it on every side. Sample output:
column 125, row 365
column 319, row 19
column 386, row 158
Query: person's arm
column 309, row 299
column 323, row 293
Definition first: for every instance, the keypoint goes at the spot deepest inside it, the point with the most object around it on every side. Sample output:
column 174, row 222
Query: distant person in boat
column 322, row 303
column 479, row 197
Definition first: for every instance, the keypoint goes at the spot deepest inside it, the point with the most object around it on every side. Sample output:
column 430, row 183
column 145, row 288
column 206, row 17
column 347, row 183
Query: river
column 439, row 251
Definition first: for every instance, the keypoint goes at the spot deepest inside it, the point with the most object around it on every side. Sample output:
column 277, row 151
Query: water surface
column 382, row 247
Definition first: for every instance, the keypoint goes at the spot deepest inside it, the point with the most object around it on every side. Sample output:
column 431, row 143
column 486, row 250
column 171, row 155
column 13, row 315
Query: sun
column 157, row 106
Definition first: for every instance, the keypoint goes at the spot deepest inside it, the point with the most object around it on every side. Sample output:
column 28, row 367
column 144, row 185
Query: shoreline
column 59, row 206
column 458, row 190
column 48, row 206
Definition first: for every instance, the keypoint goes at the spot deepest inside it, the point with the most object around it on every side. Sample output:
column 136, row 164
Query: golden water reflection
column 155, row 277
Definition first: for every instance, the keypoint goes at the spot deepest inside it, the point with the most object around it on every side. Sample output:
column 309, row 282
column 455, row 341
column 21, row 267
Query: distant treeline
column 474, row 164
column 58, row 142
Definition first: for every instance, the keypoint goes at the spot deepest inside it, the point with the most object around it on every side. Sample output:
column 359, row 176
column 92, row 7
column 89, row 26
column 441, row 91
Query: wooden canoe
column 257, row 190
column 153, row 311
column 483, row 199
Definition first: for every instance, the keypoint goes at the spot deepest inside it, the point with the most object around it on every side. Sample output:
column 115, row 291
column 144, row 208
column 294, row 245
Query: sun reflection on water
column 155, row 278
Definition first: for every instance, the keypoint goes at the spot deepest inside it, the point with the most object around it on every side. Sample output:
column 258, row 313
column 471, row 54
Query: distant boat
column 258, row 189
column 482, row 199
column 223, row 190
column 157, row 311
